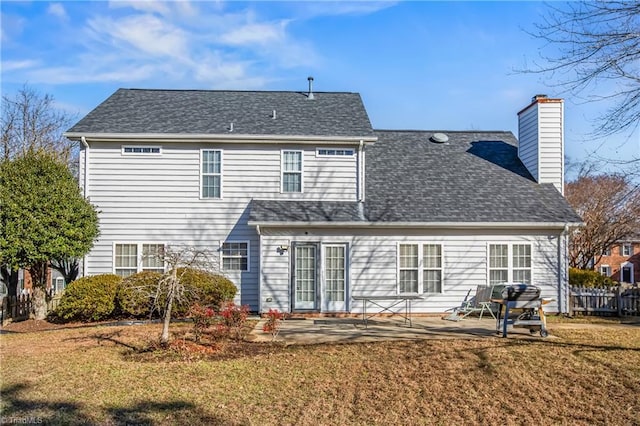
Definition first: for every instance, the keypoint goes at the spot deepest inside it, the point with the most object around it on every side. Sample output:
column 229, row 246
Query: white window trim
column 510, row 268
column 336, row 156
column 609, row 270
column 145, row 154
column 139, row 259
column 624, row 247
column 629, row 265
column 211, row 174
column 282, row 171
column 421, row 267
column 234, row 271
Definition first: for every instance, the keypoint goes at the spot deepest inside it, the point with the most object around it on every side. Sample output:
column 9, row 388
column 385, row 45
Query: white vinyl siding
column 509, row 263
column 419, row 268
column 541, row 142
column 292, row 171
column 130, row 258
column 211, row 173
column 235, row 256
column 373, row 259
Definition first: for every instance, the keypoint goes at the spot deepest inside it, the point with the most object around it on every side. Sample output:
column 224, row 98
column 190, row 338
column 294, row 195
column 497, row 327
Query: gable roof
column 475, row 178
column 190, row 112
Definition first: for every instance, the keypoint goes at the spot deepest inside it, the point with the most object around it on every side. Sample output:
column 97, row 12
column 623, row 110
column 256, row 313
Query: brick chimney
column 541, row 140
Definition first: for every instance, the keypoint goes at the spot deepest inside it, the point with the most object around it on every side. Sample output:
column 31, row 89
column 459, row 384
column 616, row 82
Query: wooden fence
column 18, row 308
column 607, row 301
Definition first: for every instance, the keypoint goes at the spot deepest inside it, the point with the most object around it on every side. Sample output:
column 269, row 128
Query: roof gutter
column 425, row 225
column 204, row 137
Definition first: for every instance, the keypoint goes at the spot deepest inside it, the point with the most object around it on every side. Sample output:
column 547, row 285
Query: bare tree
column 69, row 267
column 591, row 43
column 610, row 208
column 31, row 121
column 170, row 289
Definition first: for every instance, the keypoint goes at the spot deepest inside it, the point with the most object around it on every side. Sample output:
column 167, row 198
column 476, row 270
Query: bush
column 89, row 298
column 135, row 294
column 206, row 288
column 588, row 278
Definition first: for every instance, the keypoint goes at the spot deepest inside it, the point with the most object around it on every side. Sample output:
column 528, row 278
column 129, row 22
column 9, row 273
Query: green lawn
column 109, row 375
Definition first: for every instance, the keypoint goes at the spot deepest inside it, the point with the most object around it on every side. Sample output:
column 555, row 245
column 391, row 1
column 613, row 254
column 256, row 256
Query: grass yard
column 108, row 375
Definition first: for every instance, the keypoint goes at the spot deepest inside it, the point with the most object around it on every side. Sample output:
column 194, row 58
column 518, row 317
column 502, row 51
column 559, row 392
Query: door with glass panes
column 319, row 280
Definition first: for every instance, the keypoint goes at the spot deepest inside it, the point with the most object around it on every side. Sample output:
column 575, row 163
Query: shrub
column 135, row 294
column 205, row 288
column 203, row 318
column 273, row 323
column 89, row 298
column 588, row 278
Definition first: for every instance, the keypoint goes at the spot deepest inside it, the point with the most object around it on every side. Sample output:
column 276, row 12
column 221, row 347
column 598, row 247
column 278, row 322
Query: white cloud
column 170, row 44
column 8, row 66
column 149, row 6
column 256, row 34
column 148, row 34
column 57, row 9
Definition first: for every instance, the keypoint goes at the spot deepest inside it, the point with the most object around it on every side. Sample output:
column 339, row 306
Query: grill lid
column 521, row 292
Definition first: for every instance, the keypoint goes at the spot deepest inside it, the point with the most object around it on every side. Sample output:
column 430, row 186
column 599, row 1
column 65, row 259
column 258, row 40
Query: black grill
column 525, row 297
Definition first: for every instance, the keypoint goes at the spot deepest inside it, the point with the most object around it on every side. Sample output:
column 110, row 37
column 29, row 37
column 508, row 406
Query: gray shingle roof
column 475, row 177
column 211, row 112
column 304, row 211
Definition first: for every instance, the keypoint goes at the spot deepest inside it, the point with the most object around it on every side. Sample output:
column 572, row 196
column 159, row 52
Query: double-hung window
column 235, row 256
column 131, row 258
column 509, row 263
column 626, row 250
column 605, row 270
column 211, row 173
column 420, row 268
column 291, row 171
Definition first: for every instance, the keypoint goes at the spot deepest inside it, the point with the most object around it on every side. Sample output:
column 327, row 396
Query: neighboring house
column 621, row 262
column 307, row 205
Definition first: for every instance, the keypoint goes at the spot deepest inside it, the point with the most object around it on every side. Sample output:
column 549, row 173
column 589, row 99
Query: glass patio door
column 305, row 276
column 335, row 278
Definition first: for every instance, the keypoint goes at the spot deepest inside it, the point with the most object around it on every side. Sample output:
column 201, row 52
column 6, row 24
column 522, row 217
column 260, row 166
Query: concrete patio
column 350, row 330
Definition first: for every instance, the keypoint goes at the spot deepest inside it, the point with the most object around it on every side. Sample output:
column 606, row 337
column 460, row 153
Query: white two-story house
column 306, row 205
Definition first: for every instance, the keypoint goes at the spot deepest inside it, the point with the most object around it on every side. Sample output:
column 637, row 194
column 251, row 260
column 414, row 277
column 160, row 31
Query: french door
column 319, row 280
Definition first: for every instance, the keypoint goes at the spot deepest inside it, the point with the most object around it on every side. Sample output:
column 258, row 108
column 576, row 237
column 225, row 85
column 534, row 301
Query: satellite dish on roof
column 439, row 138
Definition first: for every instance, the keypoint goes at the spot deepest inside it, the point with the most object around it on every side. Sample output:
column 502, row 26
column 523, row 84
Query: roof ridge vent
column 439, row 138
column 310, row 94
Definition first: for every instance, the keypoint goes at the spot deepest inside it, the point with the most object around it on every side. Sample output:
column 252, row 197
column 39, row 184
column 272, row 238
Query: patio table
column 392, row 301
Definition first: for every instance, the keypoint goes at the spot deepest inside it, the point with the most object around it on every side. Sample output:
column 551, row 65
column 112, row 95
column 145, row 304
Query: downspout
column 259, row 269
column 563, row 280
column 85, row 172
column 360, row 171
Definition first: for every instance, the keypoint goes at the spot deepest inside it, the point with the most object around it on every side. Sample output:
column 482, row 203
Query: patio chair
column 480, row 302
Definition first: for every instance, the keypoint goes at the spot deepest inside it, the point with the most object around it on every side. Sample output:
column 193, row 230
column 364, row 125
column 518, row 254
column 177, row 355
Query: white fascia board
column 429, row 225
column 230, row 138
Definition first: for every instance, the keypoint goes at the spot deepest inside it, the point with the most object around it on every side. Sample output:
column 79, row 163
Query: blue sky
column 417, row 65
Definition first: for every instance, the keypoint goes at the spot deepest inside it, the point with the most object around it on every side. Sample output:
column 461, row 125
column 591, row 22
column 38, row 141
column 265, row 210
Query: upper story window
column 131, row 258
column 509, row 263
column 141, row 150
column 626, row 250
column 330, row 152
column 291, row 171
column 211, row 173
column 606, row 252
column 420, row 268
column 235, row 256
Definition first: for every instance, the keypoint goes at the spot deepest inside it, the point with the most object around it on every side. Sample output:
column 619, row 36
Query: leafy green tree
column 43, row 216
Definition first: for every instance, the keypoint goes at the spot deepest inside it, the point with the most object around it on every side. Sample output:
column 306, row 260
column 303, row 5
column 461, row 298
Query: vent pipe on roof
column 231, row 127
column 273, row 114
column 310, row 95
